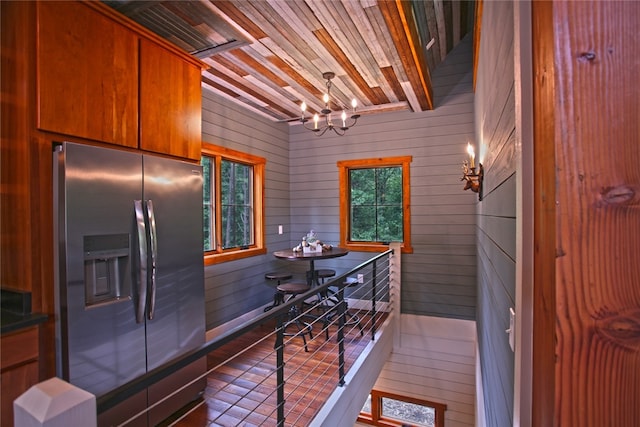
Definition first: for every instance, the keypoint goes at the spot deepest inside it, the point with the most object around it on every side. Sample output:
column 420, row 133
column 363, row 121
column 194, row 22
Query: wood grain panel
column 278, row 62
column 234, row 13
column 597, row 214
column 329, row 44
column 543, row 387
column 392, row 79
column 222, row 60
column 255, row 65
column 394, row 21
column 170, row 103
column 339, row 23
column 248, row 90
column 19, row 367
column 15, row 206
column 15, row 382
column 83, row 91
column 19, row 347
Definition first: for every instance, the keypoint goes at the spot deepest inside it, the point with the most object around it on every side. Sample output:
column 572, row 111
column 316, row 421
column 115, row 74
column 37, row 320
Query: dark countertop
column 13, row 322
column 16, row 311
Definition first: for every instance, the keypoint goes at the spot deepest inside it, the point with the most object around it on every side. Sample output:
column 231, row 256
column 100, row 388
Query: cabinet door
column 170, row 103
column 87, row 74
column 19, row 367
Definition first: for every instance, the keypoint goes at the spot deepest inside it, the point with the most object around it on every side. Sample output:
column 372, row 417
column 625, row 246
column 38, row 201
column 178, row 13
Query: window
column 391, row 410
column 233, row 204
column 375, row 203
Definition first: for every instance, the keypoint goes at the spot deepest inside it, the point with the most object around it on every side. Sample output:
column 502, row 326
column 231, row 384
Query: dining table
column 311, row 257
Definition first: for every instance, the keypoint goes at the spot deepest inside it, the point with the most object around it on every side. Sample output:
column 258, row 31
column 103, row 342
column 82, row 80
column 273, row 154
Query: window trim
column 376, row 418
column 258, row 163
column 343, row 171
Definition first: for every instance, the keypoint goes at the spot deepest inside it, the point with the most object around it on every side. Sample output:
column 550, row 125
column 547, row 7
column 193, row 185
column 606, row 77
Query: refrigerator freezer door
column 100, row 344
column 176, row 315
column 174, row 189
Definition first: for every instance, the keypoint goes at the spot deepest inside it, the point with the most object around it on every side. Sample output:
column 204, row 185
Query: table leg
column 312, row 278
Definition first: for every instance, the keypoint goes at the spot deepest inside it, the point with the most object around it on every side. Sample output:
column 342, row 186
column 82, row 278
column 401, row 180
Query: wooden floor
column 242, row 391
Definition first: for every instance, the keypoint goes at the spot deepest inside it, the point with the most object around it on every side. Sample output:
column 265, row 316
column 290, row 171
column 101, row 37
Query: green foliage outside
column 237, row 218
column 376, row 204
column 208, row 202
column 236, row 205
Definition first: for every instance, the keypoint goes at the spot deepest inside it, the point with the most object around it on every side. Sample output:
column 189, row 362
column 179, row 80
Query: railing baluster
column 279, row 346
column 373, row 300
column 341, row 321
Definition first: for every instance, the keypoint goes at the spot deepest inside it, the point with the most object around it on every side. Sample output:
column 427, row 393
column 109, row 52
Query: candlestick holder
column 473, row 180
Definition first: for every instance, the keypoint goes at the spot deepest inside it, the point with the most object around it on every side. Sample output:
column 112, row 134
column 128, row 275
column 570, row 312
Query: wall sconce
column 473, row 179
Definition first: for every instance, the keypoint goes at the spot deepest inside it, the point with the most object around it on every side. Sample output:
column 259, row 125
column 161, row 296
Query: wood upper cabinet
column 87, row 74
column 170, row 103
column 104, row 78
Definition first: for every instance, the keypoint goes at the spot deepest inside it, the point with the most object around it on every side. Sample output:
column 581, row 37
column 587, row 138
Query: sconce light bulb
column 303, row 107
column 325, row 98
column 354, row 103
column 472, row 154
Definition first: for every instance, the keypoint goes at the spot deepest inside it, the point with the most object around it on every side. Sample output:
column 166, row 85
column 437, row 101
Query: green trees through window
column 232, row 204
column 376, row 204
column 237, row 207
column 208, row 198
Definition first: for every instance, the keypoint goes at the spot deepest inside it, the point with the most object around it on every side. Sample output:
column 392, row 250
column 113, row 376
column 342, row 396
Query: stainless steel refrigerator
column 129, row 273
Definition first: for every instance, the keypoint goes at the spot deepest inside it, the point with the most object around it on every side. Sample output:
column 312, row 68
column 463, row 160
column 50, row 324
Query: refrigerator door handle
column 154, row 255
column 142, row 273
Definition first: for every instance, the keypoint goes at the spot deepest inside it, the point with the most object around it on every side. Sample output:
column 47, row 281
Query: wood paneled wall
column 237, row 287
column 439, row 277
column 495, row 139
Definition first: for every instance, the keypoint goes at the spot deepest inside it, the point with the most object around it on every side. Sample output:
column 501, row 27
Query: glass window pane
column 376, row 211
column 389, row 185
column 208, row 197
column 237, row 209
column 410, row 412
column 362, row 186
column 366, row 408
column 389, row 224
column 363, row 224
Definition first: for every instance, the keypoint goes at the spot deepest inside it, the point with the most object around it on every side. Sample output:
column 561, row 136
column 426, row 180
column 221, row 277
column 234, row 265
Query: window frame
column 344, row 166
column 217, row 154
column 376, row 418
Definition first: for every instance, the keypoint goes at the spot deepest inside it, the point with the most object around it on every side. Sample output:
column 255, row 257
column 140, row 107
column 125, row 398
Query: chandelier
column 321, row 126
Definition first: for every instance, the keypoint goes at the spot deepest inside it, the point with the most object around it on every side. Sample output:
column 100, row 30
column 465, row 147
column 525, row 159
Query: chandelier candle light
column 473, row 179
column 321, row 128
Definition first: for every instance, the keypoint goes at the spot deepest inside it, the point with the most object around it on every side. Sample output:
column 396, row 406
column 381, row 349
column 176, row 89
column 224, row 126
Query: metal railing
column 345, row 315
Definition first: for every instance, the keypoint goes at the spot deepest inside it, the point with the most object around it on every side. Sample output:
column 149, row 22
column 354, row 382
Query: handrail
column 122, row 393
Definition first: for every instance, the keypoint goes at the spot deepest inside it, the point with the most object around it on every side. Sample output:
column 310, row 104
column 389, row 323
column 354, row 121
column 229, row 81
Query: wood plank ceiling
column 270, row 55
